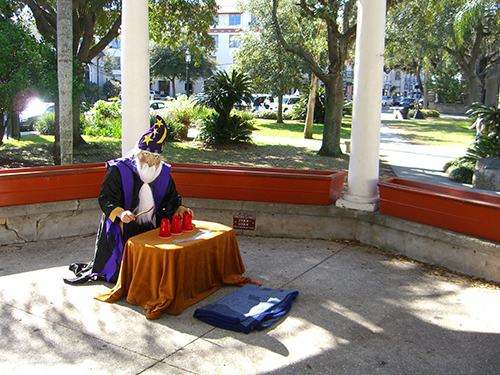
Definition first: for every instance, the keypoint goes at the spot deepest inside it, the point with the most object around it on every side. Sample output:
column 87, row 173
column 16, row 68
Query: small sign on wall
column 246, row 222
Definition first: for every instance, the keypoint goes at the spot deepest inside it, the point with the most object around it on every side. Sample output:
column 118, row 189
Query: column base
column 360, row 204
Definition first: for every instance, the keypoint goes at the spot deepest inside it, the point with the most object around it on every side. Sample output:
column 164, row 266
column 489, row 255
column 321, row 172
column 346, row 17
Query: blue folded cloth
column 250, row 307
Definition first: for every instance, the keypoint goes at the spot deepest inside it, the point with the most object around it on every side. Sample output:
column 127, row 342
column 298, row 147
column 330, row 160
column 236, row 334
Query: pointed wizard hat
column 154, row 139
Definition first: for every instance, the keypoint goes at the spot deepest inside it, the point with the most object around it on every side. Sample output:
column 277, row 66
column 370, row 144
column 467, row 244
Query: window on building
column 234, row 41
column 216, row 23
column 117, row 63
column 216, row 40
column 235, row 19
column 398, row 75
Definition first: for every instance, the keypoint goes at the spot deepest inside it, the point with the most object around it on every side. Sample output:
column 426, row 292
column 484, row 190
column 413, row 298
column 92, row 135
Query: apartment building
column 231, row 23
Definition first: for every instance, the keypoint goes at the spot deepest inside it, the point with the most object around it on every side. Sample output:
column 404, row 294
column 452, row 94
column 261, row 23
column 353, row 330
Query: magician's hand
column 126, row 216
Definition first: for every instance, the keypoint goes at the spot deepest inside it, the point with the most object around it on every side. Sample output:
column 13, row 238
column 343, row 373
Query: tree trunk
column 492, row 86
column 2, row 127
column 173, row 87
column 77, row 136
column 334, row 104
column 65, row 78
column 426, row 94
column 57, row 144
column 308, row 128
column 280, row 110
column 474, row 91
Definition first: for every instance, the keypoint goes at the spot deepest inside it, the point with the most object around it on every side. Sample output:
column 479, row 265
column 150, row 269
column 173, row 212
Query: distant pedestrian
column 479, row 125
column 256, row 103
column 267, row 103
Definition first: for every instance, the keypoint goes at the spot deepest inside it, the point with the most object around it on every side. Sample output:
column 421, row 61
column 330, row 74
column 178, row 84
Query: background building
column 231, row 24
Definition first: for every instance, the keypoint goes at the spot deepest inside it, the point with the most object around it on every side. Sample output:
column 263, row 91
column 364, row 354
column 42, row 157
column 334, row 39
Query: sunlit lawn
column 445, row 131
column 266, row 152
column 295, row 129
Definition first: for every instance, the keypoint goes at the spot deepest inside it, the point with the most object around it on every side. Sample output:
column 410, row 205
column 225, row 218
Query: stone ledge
column 458, row 252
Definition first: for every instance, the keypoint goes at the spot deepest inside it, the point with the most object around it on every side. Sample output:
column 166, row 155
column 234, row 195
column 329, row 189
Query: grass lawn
column 295, row 129
column 445, row 131
column 269, row 151
column 36, row 150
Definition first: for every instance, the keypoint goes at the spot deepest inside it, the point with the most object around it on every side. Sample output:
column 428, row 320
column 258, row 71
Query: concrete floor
column 359, row 311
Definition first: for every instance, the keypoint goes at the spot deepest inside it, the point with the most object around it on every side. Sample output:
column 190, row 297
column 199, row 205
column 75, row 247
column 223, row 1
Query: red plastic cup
column 176, row 224
column 187, row 222
column 165, row 229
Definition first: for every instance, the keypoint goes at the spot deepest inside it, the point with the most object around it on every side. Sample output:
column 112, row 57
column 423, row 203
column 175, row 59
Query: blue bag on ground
column 250, row 307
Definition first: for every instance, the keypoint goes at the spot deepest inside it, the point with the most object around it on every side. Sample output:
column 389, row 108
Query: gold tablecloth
column 163, row 276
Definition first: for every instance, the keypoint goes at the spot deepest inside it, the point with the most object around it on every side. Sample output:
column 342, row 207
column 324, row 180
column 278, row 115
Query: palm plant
column 486, row 146
column 222, row 91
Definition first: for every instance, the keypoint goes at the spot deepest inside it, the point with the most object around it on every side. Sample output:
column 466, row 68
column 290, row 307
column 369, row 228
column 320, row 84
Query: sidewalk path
column 417, row 162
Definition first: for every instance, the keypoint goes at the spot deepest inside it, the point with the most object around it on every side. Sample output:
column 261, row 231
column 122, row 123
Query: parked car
column 157, row 107
column 396, row 102
column 387, row 100
column 35, row 109
column 289, row 102
column 154, row 95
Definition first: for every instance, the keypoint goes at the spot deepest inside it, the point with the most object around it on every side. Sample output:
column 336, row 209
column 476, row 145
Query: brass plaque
column 246, row 222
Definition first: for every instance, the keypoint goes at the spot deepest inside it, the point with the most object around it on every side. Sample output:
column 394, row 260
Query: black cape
column 120, row 189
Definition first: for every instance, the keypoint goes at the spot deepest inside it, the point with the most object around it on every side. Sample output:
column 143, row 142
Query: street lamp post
column 188, row 60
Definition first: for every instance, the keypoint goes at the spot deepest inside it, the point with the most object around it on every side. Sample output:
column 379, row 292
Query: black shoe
column 79, row 280
column 79, row 268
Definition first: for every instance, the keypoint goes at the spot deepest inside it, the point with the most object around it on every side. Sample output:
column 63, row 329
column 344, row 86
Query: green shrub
column 46, row 124
column 462, row 174
column 300, row 109
column 247, row 116
column 216, row 130
column 460, row 171
column 111, row 89
column 182, row 109
column 106, row 110
column 111, row 127
column 103, row 120
column 273, row 115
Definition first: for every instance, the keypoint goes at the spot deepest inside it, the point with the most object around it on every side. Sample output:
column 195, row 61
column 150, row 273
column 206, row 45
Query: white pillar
column 362, row 189
column 135, row 72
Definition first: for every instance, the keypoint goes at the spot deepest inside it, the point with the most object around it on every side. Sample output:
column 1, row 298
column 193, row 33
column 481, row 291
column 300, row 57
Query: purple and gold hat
column 154, row 139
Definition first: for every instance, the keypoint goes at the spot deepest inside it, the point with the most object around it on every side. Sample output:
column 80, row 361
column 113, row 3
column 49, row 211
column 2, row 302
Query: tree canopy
column 167, row 62
column 28, row 66
column 173, row 23
column 264, row 60
column 436, row 35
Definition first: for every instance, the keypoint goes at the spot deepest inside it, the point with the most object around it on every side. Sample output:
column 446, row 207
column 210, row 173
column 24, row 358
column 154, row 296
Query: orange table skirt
column 162, row 276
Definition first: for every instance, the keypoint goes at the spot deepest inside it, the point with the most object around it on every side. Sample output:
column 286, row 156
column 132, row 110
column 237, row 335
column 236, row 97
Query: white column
column 362, row 189
column 135, row 72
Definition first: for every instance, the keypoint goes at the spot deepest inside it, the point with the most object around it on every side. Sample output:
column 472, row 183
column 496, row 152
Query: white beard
column 146, row 200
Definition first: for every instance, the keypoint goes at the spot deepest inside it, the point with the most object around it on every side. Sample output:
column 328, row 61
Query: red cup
column 176, row 224
column 165, row 229
column 187, row 222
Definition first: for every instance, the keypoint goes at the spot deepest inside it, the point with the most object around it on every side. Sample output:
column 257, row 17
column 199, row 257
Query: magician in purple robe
column 137, row 183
